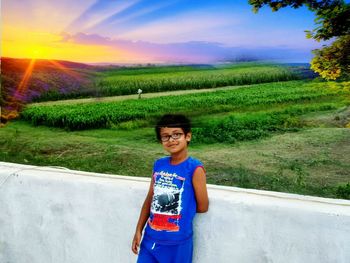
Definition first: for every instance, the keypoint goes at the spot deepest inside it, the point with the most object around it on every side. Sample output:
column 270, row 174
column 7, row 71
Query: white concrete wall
column 56, row 216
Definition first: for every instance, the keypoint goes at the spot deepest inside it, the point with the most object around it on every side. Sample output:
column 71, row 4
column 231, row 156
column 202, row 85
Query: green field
column 256, row 107
column 290, row 136
column 122, row 82
column 116, row 81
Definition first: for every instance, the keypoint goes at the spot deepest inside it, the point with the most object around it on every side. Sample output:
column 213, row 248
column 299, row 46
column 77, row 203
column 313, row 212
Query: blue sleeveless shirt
column 174, row 204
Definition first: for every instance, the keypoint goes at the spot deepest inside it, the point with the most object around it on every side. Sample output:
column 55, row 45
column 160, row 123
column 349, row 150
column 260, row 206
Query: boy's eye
column 175, row 136
column 164, row 138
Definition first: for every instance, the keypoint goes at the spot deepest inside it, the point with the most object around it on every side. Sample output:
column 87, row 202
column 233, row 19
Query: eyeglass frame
column 167, row 137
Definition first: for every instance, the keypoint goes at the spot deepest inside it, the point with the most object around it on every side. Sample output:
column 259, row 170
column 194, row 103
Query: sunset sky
column 142, row 31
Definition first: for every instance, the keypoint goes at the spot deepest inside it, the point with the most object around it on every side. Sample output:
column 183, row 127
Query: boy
column 177, row 191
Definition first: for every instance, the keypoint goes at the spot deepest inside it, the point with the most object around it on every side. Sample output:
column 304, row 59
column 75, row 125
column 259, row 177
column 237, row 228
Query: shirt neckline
column 169, row 161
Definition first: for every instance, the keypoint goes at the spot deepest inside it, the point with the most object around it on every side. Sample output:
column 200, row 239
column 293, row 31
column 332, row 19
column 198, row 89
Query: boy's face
column 174, row 139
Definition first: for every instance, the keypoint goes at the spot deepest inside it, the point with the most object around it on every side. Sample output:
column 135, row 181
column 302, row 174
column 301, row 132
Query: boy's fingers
column 135, row 246
column 136, row 249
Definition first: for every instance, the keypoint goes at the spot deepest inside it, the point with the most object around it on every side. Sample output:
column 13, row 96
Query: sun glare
column 37, row 52
column 22, row 87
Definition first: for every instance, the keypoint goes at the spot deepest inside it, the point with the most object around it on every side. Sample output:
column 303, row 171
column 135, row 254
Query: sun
column 33, row 51
column 38, row 52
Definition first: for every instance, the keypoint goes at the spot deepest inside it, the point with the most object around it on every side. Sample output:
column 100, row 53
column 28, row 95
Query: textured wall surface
column 55, row 215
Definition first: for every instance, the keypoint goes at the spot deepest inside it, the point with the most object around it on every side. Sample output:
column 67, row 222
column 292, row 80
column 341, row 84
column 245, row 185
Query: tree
column 333, row 61
column 333, row 22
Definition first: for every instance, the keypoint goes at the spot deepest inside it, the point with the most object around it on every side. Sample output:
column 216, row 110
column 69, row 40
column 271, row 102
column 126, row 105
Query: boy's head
column 173, row 121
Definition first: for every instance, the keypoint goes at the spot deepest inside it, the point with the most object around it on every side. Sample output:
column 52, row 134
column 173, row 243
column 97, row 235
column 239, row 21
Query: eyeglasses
column 174, row 136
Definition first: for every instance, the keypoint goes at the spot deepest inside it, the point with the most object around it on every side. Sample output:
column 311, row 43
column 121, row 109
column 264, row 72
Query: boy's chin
column 172, row 150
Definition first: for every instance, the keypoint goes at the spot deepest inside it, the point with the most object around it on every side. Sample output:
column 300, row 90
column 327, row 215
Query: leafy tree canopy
column 332, row 22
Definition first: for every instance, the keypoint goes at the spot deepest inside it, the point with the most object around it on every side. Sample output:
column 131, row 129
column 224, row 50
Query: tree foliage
column 333, row 62
column 332, row 22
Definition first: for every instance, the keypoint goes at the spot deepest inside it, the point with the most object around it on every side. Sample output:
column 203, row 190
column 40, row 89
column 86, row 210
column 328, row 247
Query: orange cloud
column 21, row 43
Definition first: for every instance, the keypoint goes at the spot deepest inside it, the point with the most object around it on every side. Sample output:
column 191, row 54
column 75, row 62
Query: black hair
column 173, row 121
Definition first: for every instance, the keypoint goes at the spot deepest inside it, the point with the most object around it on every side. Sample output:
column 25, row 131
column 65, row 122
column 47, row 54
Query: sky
column 154, row 31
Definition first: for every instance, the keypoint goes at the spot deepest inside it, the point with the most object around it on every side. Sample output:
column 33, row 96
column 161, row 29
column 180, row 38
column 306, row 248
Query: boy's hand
column 136, row 243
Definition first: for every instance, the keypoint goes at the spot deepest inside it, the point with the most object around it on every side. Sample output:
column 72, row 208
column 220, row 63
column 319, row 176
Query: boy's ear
column 188, row 136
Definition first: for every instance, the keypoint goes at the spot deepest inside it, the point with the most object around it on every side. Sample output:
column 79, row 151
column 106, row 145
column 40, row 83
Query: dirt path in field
column 144, row 96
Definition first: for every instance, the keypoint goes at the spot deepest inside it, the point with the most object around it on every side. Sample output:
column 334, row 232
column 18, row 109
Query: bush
column 343, row 191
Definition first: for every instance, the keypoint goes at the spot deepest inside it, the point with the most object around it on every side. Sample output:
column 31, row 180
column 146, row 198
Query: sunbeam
column 22, row 87
column 17, row 100
column 65, row 69
column 96, row 13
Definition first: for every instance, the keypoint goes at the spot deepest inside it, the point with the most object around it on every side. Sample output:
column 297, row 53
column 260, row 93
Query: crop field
column 62, row 80
column 125, row 82
column 248, row 100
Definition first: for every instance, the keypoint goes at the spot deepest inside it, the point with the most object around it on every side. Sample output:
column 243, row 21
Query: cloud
column 132, row 14
column 97, row 13
column 42, row 15
column 189, row 52
column 195, row 25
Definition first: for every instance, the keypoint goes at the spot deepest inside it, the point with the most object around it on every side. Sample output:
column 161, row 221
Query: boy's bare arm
column 145, row 210
column 199, row 182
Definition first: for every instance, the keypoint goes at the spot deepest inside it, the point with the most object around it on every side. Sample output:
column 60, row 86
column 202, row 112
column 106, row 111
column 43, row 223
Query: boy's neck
column 179, row 157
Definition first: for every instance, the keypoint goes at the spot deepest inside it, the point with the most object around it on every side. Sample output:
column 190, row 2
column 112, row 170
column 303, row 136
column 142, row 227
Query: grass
column 312, row 161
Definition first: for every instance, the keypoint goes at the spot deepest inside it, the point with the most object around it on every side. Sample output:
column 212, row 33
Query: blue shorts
column 152, row 252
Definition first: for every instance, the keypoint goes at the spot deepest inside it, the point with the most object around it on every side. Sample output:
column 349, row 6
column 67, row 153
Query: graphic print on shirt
column 166, row 203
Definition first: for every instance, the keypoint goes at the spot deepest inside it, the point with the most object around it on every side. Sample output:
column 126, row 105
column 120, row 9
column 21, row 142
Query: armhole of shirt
column 199, row 166
column 155, row 163
column 154, row 169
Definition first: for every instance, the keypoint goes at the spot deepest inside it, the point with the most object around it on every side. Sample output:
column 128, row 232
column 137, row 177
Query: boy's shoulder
column 195, row 160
